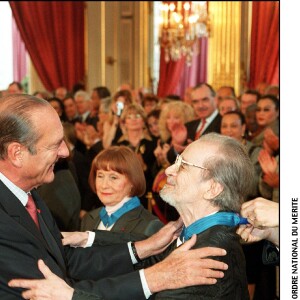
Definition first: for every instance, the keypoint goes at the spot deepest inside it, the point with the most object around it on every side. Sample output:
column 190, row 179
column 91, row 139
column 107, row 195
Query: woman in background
column 117, row 177
column 112, row 129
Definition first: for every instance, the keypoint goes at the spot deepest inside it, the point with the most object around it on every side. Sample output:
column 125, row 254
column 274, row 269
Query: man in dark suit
column 204, row 102
column 83, row 103
column 31, row 142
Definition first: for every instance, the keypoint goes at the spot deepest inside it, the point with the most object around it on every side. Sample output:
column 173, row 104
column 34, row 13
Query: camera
column 120, row 107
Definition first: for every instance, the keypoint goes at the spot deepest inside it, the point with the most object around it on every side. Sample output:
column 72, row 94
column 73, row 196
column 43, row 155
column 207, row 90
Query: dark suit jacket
column 22, row 244
column 270, row 254
column 214, row 126
column 89, row 199
column 90, row 120
column 233, row 286
column 63, row 199
column 139, row 222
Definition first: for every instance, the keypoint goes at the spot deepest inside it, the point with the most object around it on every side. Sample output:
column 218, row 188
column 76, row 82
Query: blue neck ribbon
column 220, row 218
column 110, row 220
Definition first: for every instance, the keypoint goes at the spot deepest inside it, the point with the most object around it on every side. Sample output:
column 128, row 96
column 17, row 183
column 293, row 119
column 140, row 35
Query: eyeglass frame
column 179, row 161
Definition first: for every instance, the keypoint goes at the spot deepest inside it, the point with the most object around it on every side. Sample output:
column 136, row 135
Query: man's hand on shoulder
column 159, row 241
column 186, row 267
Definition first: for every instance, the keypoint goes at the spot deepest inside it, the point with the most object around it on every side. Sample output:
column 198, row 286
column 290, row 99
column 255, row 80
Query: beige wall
column 117, row 44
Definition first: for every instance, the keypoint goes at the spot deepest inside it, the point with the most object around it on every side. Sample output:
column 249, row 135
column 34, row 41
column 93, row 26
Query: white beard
column 168, row 196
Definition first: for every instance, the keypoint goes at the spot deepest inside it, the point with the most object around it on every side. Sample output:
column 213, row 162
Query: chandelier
column 181, row 24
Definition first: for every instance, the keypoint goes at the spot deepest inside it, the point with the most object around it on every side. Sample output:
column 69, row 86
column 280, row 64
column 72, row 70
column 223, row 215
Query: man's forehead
column 199, row 150
column 248, row 97
column 224, row 91
column 201, row 91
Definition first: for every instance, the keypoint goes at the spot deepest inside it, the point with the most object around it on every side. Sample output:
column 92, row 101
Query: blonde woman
column 172, row 131
column 173, row 134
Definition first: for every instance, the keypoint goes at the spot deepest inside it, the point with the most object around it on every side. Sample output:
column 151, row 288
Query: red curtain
column 53, row 33
column 19, row 54
column 176, row 76
column 197, row 72
column 264, row 60
column 169, row 75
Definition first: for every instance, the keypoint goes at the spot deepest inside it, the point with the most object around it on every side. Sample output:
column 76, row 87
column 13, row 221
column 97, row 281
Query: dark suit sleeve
column 98, row 261
column 82, row 295
column 270, row 254
column 106, row 271
column 123, row 287
column 105, row 238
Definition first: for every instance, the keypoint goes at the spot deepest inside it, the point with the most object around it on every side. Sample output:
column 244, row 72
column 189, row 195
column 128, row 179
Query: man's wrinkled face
column 37, row 168
column 186, row 182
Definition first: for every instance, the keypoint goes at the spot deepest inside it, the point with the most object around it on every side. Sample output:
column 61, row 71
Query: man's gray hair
column 85, row 95
column 16, row 122
column 232, row 168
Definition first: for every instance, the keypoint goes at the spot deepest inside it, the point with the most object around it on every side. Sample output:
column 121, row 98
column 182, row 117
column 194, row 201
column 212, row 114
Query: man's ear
column 15, row 154
column 214, row 189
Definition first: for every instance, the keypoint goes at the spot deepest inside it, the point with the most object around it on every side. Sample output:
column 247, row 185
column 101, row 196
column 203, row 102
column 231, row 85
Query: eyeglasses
column 179, row 161
column 133, row 116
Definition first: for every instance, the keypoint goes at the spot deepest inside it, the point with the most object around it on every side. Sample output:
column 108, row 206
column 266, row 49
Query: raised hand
column 179, row 136
column 271, row 139
column 159, row 241
column 267, row 162
column 261, row 212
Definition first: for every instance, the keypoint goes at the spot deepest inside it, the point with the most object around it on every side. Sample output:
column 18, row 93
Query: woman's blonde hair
column 183, row 110
column 136, row 108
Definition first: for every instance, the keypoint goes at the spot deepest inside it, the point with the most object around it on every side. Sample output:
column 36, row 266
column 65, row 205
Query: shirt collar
column 19, row 193
column 212, row 116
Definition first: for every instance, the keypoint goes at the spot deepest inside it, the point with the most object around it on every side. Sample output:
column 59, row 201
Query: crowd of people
column 113, row 168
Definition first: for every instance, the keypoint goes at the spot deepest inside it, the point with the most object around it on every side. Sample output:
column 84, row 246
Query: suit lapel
column 52, row 243
column 128, row 221
column 14, row 208
column 53, row 239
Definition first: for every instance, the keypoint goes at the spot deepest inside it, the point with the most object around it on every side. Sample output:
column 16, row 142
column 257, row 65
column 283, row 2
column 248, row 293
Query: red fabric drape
column 53, row 33
column 264, row 60
column 19, row 54
column 197, row 72
column 169, row 75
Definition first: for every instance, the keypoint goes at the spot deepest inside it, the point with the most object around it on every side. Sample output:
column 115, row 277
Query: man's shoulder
column 192, row 123
column 218, row 236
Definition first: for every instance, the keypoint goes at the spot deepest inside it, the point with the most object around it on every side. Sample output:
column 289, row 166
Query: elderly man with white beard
column 207, row 185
